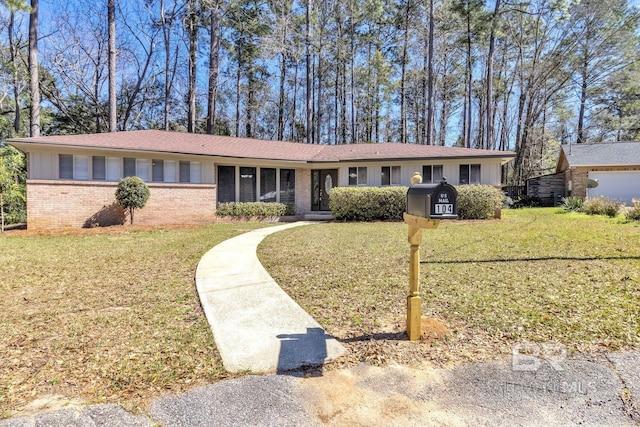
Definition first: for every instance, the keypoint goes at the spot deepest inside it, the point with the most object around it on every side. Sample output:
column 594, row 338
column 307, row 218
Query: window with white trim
column 432, row 173
column 65, row 166
column 99, row 168
column 129, row 166
column 470, row 174
column 157, row 170
column 358, row 175
column 390, row 175
column 185, row 171
column 248, row 182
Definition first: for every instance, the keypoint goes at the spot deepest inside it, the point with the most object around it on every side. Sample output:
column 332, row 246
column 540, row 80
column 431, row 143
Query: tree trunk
column 429, row 124
column 283, row 77
column 492, row 44
column 354, row 132
column 469, row 80
column 238, row 77
column 214, row 62
column 16, row 81
column 320, row 74
column 166, row 34
column 33, row 70
column 112, row 65
column 294, row 134
column 403, row 78
column 308, row 71
column 193, row 46
column 583, row 97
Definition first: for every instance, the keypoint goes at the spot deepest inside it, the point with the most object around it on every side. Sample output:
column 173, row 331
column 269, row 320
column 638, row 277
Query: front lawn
column 104, row 315
column 536, row 275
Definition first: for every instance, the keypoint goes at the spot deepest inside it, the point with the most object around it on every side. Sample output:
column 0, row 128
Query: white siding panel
column 170, row 171
column 113, row 168
column 623, row 186
column 196, row 172
column 81, row 167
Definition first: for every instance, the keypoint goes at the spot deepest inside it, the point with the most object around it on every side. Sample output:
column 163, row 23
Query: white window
column 81, row 167
column 390, row 175
column 169, row 171
column 432, row 173
column 142, row 168
column 113, row 168
column 195, row 172
column 470, row 174
column 358, row 176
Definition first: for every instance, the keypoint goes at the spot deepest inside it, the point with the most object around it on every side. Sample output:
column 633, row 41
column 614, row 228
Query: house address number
column 444, row 208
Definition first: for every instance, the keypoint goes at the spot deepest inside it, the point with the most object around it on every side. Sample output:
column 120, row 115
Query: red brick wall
column 60, row 204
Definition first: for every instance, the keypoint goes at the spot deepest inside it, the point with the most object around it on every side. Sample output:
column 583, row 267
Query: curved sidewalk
column 256, row 325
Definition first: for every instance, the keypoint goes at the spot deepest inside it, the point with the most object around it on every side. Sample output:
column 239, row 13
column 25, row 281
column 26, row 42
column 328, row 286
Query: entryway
column 322, row 181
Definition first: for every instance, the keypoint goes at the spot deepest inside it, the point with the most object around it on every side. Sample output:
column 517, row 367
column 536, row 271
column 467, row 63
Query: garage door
column 622, row 185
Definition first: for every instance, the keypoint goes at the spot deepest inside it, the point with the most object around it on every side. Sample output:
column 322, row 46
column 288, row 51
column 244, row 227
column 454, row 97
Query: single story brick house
column 72, row 178
column 614, row 166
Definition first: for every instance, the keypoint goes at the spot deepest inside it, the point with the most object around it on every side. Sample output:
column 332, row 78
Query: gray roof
column 605, row 154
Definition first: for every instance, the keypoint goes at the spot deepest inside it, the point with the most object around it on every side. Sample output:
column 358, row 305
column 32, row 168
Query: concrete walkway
column 256, row 325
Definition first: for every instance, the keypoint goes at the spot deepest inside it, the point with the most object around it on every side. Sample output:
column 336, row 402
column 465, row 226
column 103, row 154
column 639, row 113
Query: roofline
column 133, row 150
column 600, row 165
column 506, row 156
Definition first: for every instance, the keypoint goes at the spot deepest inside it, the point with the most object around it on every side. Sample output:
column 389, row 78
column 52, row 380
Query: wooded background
column 507, row 75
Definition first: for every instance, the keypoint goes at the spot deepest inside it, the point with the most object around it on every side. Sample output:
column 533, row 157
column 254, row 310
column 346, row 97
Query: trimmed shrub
column 633, row 213
column 572, row 204
column 252, row 209
column 132, row 193
column 478, row 201
column 601, row 206
column 368, row 203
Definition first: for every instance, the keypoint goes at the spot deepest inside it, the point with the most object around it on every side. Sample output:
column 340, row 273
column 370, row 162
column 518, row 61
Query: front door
column 322, row 181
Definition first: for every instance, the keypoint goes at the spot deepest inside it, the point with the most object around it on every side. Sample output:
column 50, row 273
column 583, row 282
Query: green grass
column 536, row 275
column 107, row 315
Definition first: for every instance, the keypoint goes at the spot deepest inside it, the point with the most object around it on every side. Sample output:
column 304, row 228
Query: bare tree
column 214, row 64
column 113, row 118
column 33, row 70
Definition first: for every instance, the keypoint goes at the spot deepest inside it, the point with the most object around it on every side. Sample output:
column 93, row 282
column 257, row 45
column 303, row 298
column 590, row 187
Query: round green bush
column 132, row 193
column 478, row 201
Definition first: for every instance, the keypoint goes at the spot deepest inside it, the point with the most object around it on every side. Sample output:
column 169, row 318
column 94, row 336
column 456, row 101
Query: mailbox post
column 426, row 205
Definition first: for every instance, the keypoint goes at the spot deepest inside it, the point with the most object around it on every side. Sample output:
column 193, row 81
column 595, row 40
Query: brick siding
column 303, row 191
column 61, row 204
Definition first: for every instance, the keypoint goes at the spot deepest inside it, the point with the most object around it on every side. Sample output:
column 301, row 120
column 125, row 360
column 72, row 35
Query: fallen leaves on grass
column 104, row 315
column 533, row 276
